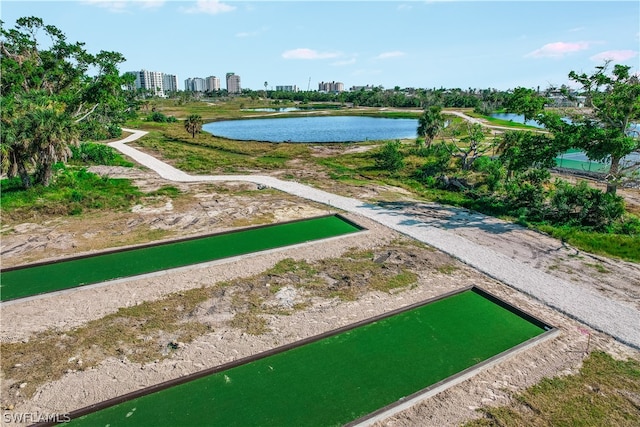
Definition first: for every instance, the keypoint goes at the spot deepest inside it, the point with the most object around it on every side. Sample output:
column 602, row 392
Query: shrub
column 494, row 172
column 158, row 117
column 437, row 161
column 583, row 205
column 88, row 152
column 390, row 157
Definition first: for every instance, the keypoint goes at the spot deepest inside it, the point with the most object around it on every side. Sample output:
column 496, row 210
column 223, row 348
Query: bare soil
column 208, row 208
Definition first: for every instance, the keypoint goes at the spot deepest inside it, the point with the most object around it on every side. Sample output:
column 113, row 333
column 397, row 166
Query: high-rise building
column 331, row 87
column 194, row 84
column 149, row 80
column 212, row 84
column 233, row 83
column 290, row 88
column 169, row 83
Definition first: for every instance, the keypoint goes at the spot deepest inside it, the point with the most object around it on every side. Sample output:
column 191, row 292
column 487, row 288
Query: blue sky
column 422, row 44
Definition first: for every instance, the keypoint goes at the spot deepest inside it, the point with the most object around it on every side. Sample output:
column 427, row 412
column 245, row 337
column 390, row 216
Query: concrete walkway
column 618, row 320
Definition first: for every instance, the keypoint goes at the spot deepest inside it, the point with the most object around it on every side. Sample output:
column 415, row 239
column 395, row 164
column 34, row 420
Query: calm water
column 518, row 118
column 315, row 129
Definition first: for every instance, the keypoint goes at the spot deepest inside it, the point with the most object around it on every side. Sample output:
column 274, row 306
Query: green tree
column 49, row 100
column 521, row 150
column 390, row 157
column 473, row 146
column 193, row 124
column 604, row 129
column 606, row 133
column 430, row 124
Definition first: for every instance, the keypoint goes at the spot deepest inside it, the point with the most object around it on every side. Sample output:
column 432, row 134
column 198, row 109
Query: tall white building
column 287, row 88
column 149, row 80
column 170, row 83
column 212, row 84
column 194, row 84
column 233, row 83
column 331, row 87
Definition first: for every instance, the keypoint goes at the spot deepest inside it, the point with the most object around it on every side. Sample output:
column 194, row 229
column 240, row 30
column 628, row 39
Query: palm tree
column 193, row 124
column 430, row 123
column 265, row 89
column 52, row 133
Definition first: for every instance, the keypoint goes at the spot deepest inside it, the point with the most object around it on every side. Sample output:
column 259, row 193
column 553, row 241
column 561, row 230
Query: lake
column 315, row 129
column 517, row 118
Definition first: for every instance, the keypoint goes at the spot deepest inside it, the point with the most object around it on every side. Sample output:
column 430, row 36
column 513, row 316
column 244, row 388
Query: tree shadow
column 444, row 217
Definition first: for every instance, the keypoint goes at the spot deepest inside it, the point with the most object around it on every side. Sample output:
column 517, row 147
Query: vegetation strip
column 336, row 377
column 24, row 281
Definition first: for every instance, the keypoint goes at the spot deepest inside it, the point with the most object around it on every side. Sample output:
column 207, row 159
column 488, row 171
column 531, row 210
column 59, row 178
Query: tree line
column 53, row 98
column 50, row 102
column 515, row 179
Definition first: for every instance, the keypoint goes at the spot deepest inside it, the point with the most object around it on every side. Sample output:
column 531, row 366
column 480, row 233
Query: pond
column 315, row 129
column 517, row 118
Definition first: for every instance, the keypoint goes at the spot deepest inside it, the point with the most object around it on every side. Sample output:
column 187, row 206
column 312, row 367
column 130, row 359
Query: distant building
column 292, row 88
column 150, row 80
column 233, row 83
column 364, row 88
column 331, row 87
column 563, row 98
column 169, row 83
column 212, row 84
column 194, row 84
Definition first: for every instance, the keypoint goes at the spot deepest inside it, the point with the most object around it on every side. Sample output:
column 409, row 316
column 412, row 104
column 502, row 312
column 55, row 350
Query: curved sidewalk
column 611, row 317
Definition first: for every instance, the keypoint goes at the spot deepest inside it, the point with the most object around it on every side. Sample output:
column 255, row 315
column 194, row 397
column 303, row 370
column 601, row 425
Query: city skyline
column 450, row 44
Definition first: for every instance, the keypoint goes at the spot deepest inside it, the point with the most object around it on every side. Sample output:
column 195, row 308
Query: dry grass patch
column 606, row 392
column 141, row 333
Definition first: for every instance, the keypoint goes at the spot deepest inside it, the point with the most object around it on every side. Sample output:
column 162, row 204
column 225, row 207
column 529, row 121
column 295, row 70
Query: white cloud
column 614, row 55
column 211, row 7
column 304, row 53
column 558, row 49
column 393, row 54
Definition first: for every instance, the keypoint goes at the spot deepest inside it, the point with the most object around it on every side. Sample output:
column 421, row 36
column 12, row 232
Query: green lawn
column 23, row 282
column 339, row 378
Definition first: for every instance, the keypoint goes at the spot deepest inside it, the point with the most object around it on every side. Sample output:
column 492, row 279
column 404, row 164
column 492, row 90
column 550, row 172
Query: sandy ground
column 221, row 207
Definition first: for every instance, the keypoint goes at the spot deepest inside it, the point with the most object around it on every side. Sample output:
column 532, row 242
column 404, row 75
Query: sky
column 419, row 44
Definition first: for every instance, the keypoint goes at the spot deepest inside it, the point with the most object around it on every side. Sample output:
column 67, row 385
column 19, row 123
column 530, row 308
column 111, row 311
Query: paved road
column 611, row 317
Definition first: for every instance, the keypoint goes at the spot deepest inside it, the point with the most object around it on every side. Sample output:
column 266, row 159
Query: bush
column 628, row 225
column 437, row 161
column 494, row 172
column 158, row 117
column 390, row 157
column 526, row 194
column 583, row 205
column 96, row 154
column 88, row 152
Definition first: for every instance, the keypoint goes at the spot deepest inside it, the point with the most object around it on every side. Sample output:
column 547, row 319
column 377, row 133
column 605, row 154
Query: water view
column 315, row 129
column 517, row 118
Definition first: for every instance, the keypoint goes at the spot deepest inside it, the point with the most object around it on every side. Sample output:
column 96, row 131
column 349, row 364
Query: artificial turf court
column 335, row 378
column 24, row 281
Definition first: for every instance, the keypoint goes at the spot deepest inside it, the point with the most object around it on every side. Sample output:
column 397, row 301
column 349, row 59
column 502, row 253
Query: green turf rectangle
column 337, row 378
column 70, row 273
